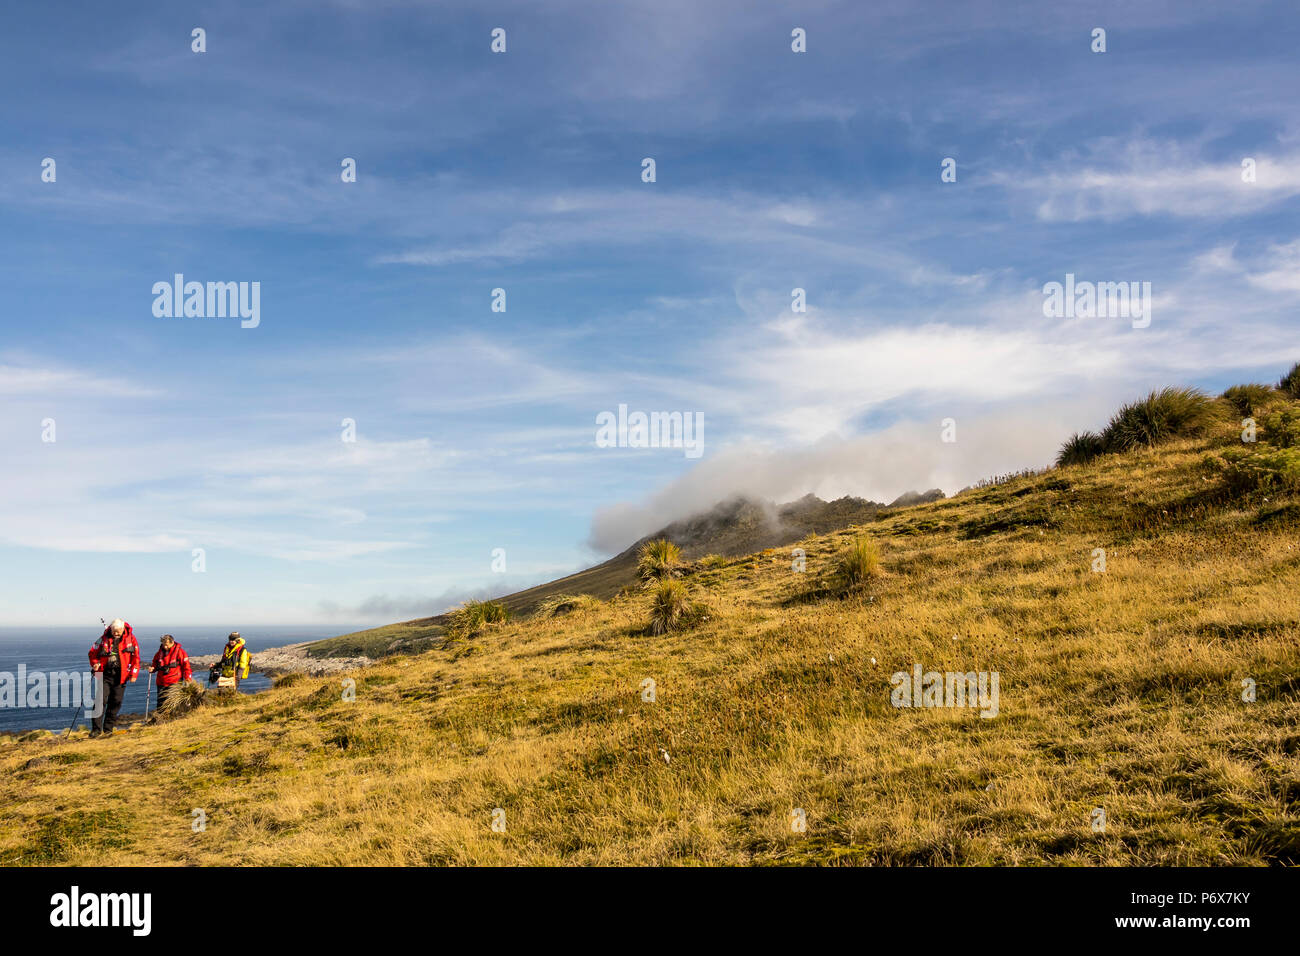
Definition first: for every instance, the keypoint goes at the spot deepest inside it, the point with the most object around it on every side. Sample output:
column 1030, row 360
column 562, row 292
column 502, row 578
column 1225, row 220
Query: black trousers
column 113, row 694
column 164, row 695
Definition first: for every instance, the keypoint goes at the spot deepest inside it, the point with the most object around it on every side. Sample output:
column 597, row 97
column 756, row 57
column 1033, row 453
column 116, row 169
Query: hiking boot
column 95, row 732
column 108, row 732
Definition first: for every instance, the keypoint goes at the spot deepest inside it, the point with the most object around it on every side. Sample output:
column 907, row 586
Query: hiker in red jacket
column 117, row 656
column 172, row 665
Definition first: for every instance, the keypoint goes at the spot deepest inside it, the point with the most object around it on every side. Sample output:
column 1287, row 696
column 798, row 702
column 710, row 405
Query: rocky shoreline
column 290, row 659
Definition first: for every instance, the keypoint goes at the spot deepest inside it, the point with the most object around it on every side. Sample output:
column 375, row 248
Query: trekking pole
column 76, row 713
column 148, row 690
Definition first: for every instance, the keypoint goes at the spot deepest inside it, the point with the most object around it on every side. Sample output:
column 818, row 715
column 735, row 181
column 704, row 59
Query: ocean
column 55, row 649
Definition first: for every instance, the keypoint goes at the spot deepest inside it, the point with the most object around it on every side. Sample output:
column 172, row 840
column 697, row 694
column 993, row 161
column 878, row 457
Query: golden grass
column 1119, row 690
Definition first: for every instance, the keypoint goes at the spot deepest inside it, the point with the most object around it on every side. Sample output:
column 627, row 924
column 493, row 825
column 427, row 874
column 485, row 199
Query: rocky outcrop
column 291, row 659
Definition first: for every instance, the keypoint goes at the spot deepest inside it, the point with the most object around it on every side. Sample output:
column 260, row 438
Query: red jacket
column 172, row 665
column 128, row 654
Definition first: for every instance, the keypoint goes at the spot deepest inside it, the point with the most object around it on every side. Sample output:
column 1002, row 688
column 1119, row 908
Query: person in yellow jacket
column 233, row 666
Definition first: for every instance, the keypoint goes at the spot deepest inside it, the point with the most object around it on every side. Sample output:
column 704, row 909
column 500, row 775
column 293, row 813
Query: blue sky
column 476, row 429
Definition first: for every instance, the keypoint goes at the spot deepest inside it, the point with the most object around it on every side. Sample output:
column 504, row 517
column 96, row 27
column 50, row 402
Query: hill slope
column 738, row 526
column 1120, row 690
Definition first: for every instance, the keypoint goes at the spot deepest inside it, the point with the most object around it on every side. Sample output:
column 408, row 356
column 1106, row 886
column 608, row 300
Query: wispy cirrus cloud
column 1122, row 180
column 1281, row 272
column 28, row 379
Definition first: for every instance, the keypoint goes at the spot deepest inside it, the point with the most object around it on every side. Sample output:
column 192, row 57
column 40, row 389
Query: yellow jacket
column 234, row 660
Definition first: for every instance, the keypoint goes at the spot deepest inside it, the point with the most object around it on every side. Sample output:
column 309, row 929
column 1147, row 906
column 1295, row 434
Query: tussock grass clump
column 566, row 604
column 186, row 697
column 658, row 560
column 1282, row 428
column 1290, row 384
column 474, row 617
column 711, row 561
column 1246, row 398
column 1160, row 417
column 858, row 564
column 671, row 608
column 1080, row 448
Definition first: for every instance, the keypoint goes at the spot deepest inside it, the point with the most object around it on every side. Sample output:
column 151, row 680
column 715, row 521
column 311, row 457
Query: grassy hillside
column 734, row 527
column 1120, row 689
column 602, row 581
column 378, row 642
